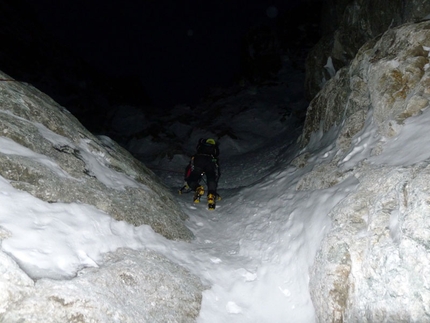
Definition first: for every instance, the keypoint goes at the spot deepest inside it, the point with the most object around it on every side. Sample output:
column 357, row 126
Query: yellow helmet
column 210, row 141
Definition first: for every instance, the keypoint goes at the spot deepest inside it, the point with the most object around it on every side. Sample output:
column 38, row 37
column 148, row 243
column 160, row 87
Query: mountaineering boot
column 211, row 201
column 199, row 192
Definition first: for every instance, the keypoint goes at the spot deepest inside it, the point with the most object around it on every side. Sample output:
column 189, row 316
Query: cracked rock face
column 374, row 263
column 72, row 165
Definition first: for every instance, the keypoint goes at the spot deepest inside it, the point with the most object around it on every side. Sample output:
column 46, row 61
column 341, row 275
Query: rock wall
column 46, row 152
column 90, row 170
column 373, row 265
column 347, row 25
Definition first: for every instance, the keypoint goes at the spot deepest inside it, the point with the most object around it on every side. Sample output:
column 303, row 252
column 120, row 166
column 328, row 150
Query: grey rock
column 15, row 285
column 373, row 80
column 347, row 25
column 130, row 286
column 75, row 166
column 46, row 152
column 373, row 265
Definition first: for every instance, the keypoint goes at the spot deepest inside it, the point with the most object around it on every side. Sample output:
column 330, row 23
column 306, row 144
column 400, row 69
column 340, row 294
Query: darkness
column 177, row 49
column 93, row 57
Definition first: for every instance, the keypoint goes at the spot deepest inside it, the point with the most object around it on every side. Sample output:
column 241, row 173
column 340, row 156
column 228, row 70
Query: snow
column 9, row 147
column 330, row 67
column 255, row 249
column 411, row 141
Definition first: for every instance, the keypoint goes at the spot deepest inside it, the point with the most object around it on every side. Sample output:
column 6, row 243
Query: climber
column 204, row 162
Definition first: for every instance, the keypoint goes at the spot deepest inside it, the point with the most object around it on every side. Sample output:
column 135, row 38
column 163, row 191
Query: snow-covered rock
column 130, row 286
column 46, row 152
column 56, row 159
column 373, row 265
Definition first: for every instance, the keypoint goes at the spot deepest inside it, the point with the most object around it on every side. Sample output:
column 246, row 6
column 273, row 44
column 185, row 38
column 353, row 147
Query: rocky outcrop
column 347, row 25
column 77, row 166
column 351, row 85
column 373, row 264
column 131, row 286
column 46, row 152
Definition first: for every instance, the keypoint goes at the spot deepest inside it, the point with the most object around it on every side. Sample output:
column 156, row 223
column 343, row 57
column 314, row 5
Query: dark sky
column 178, row 48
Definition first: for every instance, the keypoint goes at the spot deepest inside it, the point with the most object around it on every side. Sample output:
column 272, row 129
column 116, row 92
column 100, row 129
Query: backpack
column 204, row 148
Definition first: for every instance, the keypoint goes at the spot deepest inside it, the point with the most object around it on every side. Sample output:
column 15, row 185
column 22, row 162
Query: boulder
column 64, row 162
column 130, row 286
